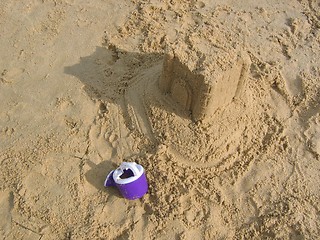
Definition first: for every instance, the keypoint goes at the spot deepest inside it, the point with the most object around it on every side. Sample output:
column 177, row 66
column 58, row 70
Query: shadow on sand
column 97, row 175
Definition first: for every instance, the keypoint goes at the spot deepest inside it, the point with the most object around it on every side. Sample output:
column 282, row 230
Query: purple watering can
column 130, row 179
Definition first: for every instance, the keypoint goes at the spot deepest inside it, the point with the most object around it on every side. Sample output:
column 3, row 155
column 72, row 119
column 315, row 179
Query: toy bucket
column 130, row 179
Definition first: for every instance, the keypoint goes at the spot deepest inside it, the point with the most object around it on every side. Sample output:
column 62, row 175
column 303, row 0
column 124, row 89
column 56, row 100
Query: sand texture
column 218, row 100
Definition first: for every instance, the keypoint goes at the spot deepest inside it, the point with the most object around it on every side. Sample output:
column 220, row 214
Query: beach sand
column 85, row 85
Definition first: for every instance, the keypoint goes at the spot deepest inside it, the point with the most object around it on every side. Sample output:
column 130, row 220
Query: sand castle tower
column 202, row 94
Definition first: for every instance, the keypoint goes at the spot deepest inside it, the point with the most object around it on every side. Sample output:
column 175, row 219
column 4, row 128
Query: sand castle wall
column 202, row 94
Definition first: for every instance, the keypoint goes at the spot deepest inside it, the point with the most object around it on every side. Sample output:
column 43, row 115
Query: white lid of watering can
column 136, row 169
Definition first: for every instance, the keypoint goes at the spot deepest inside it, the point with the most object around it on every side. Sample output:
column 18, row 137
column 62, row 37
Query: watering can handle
column 130, row 165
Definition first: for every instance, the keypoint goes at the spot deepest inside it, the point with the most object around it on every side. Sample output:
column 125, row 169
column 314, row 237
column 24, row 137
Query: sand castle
column 202, row 94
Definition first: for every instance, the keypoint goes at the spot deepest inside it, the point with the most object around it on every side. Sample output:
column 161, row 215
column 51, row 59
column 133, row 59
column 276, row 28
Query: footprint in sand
column 9, row 76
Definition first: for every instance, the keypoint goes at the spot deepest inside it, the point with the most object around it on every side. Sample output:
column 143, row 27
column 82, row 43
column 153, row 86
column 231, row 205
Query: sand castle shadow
column 102, row 73
column 118, row 76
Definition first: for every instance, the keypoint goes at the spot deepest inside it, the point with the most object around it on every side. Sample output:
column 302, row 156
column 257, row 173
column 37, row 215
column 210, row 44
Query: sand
column 218, row 100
